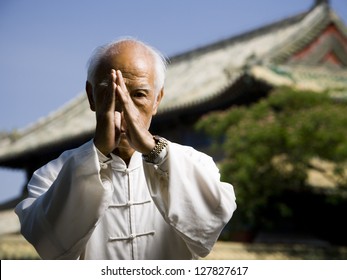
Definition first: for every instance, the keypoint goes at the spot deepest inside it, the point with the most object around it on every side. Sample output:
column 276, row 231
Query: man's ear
column 157, row 101
column 89, row 90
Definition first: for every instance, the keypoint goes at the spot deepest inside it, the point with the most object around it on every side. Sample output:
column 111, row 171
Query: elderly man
column 126, row 194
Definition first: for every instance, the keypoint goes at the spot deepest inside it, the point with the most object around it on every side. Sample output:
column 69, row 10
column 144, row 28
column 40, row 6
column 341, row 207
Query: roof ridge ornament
column 321, row 2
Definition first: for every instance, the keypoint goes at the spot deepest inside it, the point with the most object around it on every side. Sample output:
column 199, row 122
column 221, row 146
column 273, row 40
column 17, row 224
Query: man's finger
column 120, row 81
column 122, row 90
column 105, row 83
column 105, row 92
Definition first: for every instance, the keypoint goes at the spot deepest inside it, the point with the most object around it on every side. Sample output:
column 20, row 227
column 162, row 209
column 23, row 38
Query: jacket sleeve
column 187, row 190
column 66, row 199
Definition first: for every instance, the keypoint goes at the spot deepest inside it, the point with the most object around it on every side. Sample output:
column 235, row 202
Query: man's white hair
column 100, row 52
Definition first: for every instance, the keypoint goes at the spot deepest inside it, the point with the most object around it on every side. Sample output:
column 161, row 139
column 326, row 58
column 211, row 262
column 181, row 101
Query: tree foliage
column 268, row 147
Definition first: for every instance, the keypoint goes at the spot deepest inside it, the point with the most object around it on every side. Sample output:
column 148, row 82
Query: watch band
column 161, row 143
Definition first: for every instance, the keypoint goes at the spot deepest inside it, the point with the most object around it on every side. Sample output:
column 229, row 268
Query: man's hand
column 117, row 113
column 135, row 121
column 108, row 115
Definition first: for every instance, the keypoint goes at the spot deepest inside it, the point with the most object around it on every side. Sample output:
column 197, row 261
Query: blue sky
column 45, row 45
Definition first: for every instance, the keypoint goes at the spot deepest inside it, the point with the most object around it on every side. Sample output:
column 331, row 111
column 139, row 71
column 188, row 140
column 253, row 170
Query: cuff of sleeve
column 161, row 157
column 103, row 160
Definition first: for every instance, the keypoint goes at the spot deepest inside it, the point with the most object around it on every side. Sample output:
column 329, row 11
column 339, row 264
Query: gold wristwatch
column 161, row 143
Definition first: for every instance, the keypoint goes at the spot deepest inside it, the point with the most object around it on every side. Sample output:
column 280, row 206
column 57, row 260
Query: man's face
column 138, row 70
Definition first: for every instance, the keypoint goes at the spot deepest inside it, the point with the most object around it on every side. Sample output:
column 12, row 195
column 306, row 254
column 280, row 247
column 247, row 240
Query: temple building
column 305, row 51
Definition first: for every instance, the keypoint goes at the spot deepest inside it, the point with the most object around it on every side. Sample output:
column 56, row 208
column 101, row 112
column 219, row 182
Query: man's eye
column 139, row 94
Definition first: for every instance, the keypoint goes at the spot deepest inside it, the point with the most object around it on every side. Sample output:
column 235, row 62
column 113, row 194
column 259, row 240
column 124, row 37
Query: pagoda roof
column 276, row 54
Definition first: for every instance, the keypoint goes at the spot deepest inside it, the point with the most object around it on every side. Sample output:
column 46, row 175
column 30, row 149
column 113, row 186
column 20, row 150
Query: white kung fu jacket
column 85, row 206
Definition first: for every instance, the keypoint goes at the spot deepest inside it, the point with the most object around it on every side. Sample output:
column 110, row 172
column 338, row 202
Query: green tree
column 269, row 147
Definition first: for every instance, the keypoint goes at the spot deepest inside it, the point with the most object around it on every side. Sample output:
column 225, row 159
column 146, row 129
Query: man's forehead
column 131, row 60
column 130, row 54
